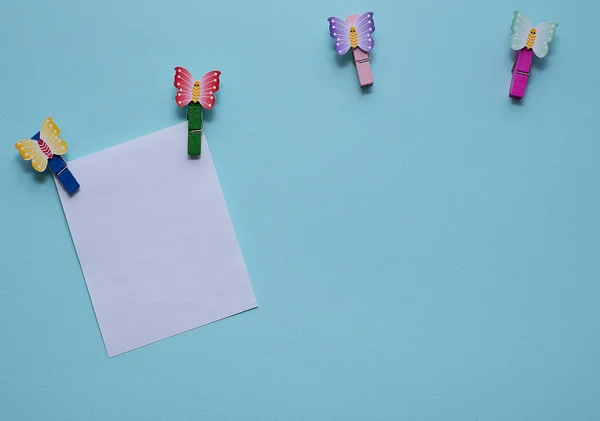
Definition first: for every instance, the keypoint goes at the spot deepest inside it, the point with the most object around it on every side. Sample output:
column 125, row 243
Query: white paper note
column 154, row 240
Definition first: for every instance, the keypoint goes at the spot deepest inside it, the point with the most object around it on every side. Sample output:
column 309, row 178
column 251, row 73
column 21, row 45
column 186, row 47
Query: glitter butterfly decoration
column 355, row 36
column 191, row 90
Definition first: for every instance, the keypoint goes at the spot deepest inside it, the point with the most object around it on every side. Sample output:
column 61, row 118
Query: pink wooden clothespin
column 361, row 59
column 355, row 34
column 526, row 41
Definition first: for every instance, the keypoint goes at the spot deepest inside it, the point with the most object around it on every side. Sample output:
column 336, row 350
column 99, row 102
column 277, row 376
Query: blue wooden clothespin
column 44, row 149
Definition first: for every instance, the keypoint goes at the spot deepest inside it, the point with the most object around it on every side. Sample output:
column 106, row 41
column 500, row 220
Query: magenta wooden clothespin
column 355, row 33
column 526, row 41
column 520, row 73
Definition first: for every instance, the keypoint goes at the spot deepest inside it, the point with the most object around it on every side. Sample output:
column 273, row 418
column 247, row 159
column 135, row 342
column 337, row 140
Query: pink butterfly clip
column 190, row 90
column 196, row 94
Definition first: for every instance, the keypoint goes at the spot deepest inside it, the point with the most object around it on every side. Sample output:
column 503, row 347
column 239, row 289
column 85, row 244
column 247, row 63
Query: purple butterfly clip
column 357, row 35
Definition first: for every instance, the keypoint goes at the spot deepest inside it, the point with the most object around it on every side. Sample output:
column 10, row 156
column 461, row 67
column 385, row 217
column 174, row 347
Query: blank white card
column 154, row 240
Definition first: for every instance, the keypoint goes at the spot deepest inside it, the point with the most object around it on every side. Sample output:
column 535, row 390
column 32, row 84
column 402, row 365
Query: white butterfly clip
column 526, row 36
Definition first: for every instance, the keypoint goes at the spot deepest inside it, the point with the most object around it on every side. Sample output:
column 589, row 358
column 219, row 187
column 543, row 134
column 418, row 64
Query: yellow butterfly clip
column 40, row 151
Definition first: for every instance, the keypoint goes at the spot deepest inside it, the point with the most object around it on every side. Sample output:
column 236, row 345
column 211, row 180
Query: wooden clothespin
column 45, row 149
column 196, row 94
column 526, row 41
column 355, row 33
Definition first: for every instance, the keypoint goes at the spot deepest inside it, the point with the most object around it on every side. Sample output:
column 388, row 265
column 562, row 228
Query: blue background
column 423, row 250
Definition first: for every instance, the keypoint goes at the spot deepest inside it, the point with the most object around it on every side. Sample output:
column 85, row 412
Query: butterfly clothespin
column 355, row 33
column 196, row 94
column 526, row 41
column 44, row 149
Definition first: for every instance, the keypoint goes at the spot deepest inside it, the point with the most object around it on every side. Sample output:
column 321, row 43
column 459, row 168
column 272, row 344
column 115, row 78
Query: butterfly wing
column 365, row 26
column 50, row 134
column 340, row 31
column 30, row 151
column 184, row 82
column 521, row 25
column 544, row 35
column 209, row 84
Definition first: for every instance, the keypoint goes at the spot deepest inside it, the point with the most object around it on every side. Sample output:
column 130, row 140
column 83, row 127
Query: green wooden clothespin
column 196, row 94
column 194, row 118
